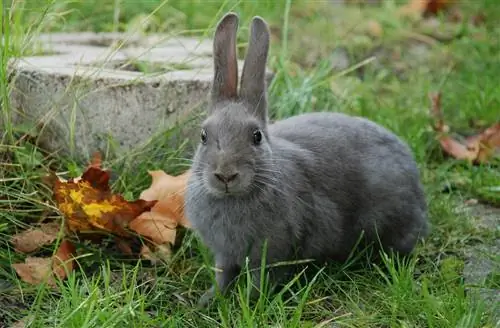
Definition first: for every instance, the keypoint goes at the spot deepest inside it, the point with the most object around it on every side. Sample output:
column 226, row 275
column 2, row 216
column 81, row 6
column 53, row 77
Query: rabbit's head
column 234, row 147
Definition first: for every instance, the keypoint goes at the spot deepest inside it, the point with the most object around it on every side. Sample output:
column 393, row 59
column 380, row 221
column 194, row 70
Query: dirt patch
column 13, row 306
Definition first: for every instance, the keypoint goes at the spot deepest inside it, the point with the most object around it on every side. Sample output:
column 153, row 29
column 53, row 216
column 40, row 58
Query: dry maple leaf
column 32, row 239
column 169, row 191
column 157, row 227
column 478, row 148
column 88, row 203
column 486, row 143
column 36, row 270
column 160, row 224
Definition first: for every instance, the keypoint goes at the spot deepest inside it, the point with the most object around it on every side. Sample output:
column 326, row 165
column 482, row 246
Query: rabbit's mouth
column 235, row 184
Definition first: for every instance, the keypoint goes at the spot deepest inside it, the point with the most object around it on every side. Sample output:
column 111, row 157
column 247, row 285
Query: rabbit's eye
column 257, row 137
column 203, row 136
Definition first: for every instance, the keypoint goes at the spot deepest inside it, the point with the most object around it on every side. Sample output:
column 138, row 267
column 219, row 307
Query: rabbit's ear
column 225, row 81
column 253, row 79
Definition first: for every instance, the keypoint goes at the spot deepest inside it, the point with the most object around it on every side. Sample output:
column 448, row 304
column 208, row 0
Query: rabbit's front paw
column 206, row 297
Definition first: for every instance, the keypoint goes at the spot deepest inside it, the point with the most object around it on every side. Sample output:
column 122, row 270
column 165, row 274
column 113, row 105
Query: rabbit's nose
column 226, row 178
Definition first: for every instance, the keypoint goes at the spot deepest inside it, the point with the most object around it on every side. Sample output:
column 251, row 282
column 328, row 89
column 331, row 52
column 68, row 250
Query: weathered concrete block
column 91, row 91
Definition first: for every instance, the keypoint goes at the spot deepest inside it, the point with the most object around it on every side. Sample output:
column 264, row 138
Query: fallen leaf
column 478, row 148
column 36, row 270
column 88, row 204
column 63, row 261
column 479, row 19
column 375, row 29
column 424, row 7
column 168, row 191
column 96, row 160
column 33, row 239
column 158, row 227
column 124, row 246
column 456, row 149
column 486, row 143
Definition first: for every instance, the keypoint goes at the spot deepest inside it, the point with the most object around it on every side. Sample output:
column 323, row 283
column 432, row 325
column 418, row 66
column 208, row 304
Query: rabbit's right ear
column 225, row 80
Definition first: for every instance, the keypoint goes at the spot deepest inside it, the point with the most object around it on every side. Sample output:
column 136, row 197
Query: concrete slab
column 88, row 91
column 482, row 261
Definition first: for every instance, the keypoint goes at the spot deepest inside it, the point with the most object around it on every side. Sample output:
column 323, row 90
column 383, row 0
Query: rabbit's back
column 363, row 174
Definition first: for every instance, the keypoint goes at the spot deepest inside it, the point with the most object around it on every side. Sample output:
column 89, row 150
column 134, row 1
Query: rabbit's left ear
column 253, row 77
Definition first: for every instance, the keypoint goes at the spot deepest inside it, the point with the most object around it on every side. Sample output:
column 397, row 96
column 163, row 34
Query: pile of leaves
column 90, row 211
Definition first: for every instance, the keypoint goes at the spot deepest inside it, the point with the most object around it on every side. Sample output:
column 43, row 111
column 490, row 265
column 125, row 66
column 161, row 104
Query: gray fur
column 314, row 184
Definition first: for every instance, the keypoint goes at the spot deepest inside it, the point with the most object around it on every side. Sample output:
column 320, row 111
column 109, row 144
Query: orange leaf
column 88, row 203
column 456, row 149
column 63, row 262
column 375, row 29
column 36, row 270
column 159, row 228
column 32, row 239
column 169, row 192
column 422, row 7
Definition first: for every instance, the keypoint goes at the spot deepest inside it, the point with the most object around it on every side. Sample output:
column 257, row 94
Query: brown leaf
column 424, row 7
column 33, row 239
column 96, row 160
column 479, row 19
column 486, row 143
column 36, row 270
column 478, row 148
column 159, row 225
column 456, row 149
column 169, row 192
column 437, row 114
column 88, row 203
column 124, row 246
column 63, row 262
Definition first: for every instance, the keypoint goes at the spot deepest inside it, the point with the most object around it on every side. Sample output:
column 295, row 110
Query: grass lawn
column 413, row 58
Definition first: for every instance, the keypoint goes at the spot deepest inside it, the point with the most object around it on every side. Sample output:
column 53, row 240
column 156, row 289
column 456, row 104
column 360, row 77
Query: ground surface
column 435, row 289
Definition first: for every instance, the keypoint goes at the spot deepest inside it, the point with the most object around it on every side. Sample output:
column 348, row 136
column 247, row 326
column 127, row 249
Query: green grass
column 427, row 290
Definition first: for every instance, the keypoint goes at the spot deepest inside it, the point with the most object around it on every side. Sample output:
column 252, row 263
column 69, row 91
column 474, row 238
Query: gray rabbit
column 309, row 186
